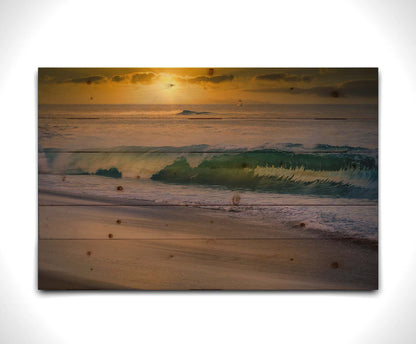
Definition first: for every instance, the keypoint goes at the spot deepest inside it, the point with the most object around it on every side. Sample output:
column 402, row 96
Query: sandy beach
column 100, row 245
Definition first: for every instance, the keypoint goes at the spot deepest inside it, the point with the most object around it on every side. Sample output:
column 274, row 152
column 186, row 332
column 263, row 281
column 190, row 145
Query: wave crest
column 338, row 175
column 351, row 174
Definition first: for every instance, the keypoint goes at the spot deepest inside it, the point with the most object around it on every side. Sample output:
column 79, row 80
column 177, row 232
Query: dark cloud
column 118, row 78
column 143, row 77
column 94, row 79
column 292, row 78
column 307, row 78
column 271, row 77
column 284, row 77
column 324, row 91
column 47, row 78
column 320, row 91
column 356, row 88
column 214, row 79
column 361, row 88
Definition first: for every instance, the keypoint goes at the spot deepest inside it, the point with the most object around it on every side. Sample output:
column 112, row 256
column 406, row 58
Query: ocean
column 287, row 164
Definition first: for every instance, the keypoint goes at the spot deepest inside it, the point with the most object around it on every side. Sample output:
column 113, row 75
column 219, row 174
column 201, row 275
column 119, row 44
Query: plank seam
column 208, row 205
column 203, row 238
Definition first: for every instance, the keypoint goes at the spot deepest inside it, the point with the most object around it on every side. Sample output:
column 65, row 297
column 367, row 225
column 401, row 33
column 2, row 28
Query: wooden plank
column 69, row 134
column 134, row 195
column 212, row 178
column 206, row 264
column 182, row 222
column 240, row 193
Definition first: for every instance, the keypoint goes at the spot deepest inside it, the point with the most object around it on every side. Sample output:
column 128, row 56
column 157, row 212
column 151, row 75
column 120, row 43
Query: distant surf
column 190, row 113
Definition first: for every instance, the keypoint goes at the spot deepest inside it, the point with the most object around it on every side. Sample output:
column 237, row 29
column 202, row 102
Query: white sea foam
column 357, row 219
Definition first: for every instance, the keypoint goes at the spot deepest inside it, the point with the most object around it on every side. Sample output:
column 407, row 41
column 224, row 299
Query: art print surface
column 208, row 178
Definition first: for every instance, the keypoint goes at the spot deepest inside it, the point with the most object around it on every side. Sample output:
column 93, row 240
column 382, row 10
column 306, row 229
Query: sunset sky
column 208, row 85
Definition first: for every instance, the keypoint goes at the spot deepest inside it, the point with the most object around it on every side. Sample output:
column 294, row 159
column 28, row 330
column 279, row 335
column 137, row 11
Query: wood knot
column 118, row 221
column 110, row 236
column 302, row 224
column 88, row 253
column 120, row 188
column 334, row 265
column 335, row 94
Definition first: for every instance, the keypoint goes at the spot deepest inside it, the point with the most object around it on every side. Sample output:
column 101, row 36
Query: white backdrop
column 191, row 34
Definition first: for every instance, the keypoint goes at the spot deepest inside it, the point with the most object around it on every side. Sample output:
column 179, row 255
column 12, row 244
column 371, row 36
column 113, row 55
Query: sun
column 168, row 87
column 167, row 82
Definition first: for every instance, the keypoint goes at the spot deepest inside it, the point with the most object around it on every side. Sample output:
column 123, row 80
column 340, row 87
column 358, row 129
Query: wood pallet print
column 208, row 178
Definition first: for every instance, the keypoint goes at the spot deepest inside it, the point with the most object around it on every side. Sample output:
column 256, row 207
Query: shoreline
column 68, row 199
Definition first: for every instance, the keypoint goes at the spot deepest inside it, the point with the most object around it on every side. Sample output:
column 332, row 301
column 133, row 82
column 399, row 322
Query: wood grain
column 236, row 170
column 232, row 191
column 145, row 222
column 179, row 131
column 206, row 264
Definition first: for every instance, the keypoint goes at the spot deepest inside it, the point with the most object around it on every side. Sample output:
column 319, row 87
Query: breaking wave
column 350, row 173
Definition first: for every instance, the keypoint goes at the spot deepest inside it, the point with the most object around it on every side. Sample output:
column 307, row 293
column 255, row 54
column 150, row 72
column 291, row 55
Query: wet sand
column 183, row 248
